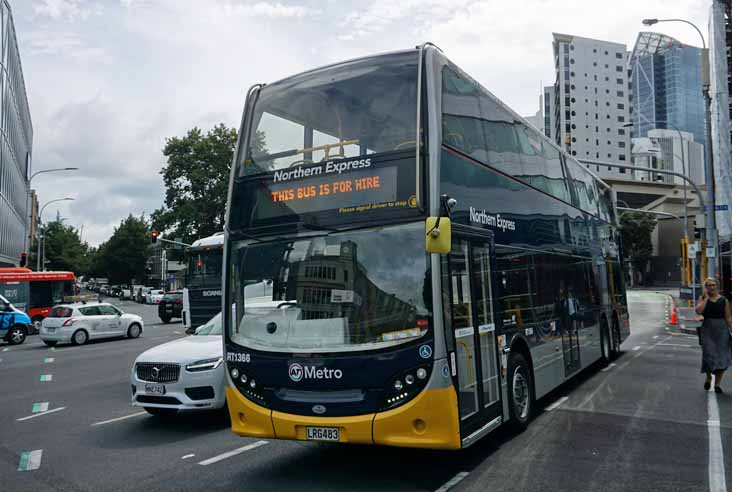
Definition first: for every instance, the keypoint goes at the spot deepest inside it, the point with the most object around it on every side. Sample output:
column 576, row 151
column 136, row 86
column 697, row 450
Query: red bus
column 35, row 292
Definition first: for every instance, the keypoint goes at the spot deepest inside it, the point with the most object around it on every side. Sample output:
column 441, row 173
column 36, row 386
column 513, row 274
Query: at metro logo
column 298, row 372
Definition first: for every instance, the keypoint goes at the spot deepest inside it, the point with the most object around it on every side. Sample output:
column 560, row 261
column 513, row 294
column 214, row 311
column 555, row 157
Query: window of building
column 622, row 171
column 574, row 140
column 621, row 106
column 595, row 78
column 621, row 145
column 618, row 68
column 574, row 114
column 597, row 156
column 609, row 142
column 607, row 103
column 595, row 103
column 572, row 86
column 606, row 52
column 620, row 94
column 621, row 119
column 596, row 116
column 607, row 79
column 571, row 74
column 597, row 129
column 607, row 116
column 571, row 61
column 619, row 81
column 597, row 141
column 594, row 50
column 606, row 66
column 621, row 131
column 574, row 127
column 607, row 91
column 571, row 47
column 609, row 156
column 574, row 152
column 608, row 130
column 594, row 64
column 595, row 90
column 574, row 100
column 566, row 48
column 621, row 157
column 619, row 56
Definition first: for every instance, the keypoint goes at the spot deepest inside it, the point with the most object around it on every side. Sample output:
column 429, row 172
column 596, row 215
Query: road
column 642, row 424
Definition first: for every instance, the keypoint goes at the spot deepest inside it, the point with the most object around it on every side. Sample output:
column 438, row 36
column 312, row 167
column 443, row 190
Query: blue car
column 14, row 324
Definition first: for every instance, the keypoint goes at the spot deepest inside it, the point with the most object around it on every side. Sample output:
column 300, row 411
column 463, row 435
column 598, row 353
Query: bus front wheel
column 520, row 391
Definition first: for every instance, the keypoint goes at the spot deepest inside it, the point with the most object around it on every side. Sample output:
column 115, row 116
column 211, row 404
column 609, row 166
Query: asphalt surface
column 642, row 424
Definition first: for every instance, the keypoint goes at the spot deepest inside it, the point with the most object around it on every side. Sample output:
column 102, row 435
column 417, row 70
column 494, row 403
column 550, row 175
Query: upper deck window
column 348, row 110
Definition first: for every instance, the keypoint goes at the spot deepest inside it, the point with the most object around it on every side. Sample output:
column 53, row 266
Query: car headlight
column 204, row 365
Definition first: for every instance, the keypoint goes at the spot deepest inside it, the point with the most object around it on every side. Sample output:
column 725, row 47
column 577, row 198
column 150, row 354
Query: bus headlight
column 404, row 386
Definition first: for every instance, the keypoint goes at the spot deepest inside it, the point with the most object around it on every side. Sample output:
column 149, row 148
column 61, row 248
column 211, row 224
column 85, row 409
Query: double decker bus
column 35, row 293
column 202, row 293
column 410, row 262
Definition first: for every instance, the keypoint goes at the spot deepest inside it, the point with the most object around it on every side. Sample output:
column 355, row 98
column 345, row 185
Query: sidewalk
column 687, row 322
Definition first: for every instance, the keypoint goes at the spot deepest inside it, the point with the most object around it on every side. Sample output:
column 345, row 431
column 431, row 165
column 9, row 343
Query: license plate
column 324, row 434
column 50, row 330
column 158, row 389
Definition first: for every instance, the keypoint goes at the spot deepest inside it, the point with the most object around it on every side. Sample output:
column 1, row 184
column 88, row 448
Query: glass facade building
column 16, row 141
column 666, row 86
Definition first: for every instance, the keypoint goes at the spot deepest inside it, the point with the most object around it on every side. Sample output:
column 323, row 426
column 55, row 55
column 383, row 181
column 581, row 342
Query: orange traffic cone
column 674, row 317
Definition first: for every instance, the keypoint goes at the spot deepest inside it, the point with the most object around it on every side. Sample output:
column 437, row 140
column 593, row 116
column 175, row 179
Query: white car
column 154, row 296
column 185, row 374
column 79, row 323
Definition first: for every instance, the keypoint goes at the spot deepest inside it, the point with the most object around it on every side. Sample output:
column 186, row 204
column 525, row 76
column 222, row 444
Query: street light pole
column 27, row 198
column 710, row 213
column 40, row 221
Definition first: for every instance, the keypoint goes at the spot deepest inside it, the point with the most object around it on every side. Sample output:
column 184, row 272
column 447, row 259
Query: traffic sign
column 719, row 208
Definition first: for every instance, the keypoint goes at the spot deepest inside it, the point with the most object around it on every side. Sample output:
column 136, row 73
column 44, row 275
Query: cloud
column 66, row 9
column 265, row 9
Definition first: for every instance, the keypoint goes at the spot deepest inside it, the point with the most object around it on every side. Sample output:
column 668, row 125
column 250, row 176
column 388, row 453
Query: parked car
column 171, row 306
column 185, row 374
column 14, row 323
column 154, row 296
column 79, row 323
column 104, row 290
column 115, row 290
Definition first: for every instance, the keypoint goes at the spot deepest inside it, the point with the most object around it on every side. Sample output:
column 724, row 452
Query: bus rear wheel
column 520, row 391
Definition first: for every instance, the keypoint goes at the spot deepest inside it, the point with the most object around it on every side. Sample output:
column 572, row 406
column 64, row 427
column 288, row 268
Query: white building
column 663, row 149
column 591, row 101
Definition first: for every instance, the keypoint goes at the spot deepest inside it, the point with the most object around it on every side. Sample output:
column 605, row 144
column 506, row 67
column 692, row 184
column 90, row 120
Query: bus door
column 474, row 356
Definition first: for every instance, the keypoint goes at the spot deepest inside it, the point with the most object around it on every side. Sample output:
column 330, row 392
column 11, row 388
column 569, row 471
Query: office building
column 16, row 140
column 666, row 86
column 549, row 111
column 662, row 149
column 591, row 101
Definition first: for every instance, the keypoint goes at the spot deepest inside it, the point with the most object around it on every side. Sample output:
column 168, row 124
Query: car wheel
column 16, row 335
column 161, row 412
column 80, row 337
column 520, row 391
column 37, row 322
column 604, row 342
column 134, row 330
column 50, row 343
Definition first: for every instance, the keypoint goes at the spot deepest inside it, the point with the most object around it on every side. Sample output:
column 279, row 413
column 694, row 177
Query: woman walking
column 716, row 333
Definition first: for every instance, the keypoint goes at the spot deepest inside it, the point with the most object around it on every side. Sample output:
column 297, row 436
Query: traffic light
column 23, row 259
column 697, row 233
column 153, row 237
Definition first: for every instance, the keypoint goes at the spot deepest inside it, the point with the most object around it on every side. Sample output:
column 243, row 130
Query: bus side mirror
column 438, row 235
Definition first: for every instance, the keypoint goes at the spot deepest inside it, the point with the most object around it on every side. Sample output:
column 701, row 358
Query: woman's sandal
column 717, row 389
column 707, row 385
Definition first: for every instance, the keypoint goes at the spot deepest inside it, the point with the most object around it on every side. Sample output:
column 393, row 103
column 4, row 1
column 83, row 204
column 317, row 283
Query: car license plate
column 324, row 434
column 50, row 330
column 158, row 389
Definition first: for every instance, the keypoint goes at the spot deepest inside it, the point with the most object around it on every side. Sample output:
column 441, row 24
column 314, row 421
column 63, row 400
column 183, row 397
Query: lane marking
column 717, row 481
column 30, row 460
column 46, row 377
column 40, row 407
column 188, row 456
column 40, row 414
column 125, row 417
column 452, row 482
column 677, row 345
column 557, row 403
column 177, row 332
column 636, row 348
column 48, row 360
column 234, row 452
column 610, row 366
column 6, row 349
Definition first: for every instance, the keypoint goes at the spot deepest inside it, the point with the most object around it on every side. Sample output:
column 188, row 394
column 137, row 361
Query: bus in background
column 202, row 293
column 433, row 263
column 36, row 293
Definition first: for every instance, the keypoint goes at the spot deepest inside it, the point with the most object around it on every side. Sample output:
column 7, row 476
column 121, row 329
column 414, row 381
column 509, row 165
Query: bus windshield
column 204, row 268
column 348, row 110
column 340, row 292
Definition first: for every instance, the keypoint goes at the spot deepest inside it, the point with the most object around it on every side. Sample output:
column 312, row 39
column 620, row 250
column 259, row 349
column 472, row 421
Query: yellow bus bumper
column 428, row 421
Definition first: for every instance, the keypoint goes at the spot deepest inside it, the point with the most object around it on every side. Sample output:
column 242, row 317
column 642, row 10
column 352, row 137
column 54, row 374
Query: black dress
column 715, row 338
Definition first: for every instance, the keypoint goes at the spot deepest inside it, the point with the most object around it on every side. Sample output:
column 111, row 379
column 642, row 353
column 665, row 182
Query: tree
column 635, row 230
column 64, row 249
column 196, row 179
column 122, row 258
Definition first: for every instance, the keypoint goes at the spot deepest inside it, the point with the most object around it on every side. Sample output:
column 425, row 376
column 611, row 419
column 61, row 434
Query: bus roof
column 30, row 276
column 207, row 242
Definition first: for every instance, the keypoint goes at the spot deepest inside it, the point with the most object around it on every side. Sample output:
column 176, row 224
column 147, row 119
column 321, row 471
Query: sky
column 109, row 80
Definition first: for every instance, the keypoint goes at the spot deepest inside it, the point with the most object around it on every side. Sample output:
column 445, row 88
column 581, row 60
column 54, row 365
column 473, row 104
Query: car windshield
column 212, row 327
column 204, row 268
column 340, row 292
